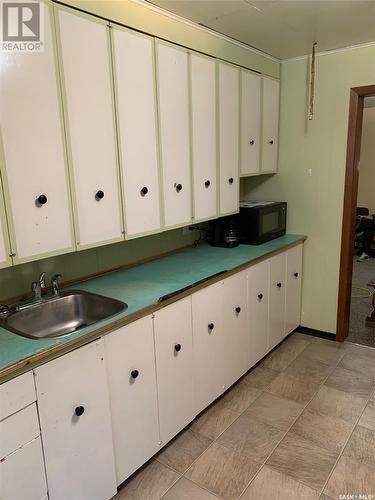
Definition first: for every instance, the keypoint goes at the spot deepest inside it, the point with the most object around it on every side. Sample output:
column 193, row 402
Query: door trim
column 357, row 95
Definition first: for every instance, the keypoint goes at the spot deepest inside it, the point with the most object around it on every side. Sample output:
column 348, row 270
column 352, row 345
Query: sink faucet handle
column 42, row 283
column 55, row 283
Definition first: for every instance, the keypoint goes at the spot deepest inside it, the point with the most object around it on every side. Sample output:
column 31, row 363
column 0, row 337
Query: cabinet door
column 209, row 342
column 258, row 300
column 250, row 123
column 203, row 126
column 270, row 128
column 132, row 388
column 172, row 71
column 236, row 361
column 75, row 423
column 229, row 137
column 136, row 111
column 37, row 194
column 293, row 288
column 90, row 124
column 22, row 474
column 277, row 299
column 5, row 259
column 174, row 366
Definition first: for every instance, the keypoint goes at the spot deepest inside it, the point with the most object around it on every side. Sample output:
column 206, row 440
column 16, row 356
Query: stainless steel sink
column 60, row 315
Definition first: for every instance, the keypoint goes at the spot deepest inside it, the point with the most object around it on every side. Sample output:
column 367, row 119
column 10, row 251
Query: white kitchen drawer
column 16, row 394
column 18, row 429
column 22, row 475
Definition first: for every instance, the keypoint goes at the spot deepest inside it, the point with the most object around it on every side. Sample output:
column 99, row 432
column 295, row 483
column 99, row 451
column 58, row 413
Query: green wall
column 142, row 18
column 15, row 281
column 316, row 200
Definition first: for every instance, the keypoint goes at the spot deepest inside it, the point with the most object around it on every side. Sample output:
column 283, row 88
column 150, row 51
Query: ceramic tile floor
column 300, row 425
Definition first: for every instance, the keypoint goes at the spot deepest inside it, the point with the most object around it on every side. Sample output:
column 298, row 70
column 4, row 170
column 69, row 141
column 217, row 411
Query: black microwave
column 261, row 221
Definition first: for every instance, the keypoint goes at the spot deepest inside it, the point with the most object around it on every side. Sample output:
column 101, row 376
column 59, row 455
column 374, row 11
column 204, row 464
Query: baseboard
column 316, row 333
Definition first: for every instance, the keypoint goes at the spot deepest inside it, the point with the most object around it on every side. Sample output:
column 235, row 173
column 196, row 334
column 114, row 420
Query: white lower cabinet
column 258, row 302
column 174, row 367
column 75, row 421
column 293, row 288
column 209, row 342
column 22, row 474
column 277, row 299
column 236, row 361
column 133, row 398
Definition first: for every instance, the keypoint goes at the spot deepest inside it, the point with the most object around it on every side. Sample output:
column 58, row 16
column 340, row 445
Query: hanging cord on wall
column 312, row 83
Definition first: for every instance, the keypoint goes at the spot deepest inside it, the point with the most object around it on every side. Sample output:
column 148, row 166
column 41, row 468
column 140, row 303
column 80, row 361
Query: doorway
column 357, row 97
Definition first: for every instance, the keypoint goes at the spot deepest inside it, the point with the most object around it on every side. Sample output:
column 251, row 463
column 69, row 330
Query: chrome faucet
column 55, row 284
column 37, row 286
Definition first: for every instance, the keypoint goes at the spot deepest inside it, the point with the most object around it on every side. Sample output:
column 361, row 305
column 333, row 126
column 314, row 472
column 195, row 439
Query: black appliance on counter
column 261, row 221
column 224, row 232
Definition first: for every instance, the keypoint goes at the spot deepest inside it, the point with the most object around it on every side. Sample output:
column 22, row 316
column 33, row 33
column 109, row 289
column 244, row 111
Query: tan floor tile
column 349, row 381
column 223, row 471
column 305, row 336
column 364, row 364
column 323, row 430
column 270, row 484
column 361, row 350
column 350, row 477
column 303, row 460
column 274, row 410
column 240, row 396
column 260, row 376
column 284, row 354
column 294, row 388
column 308, row 369
column 187, row 490
column 339, row 404
column 183, row 450
column 361, row 446
column 324, row 353
column 150, row 483
column 325, row 497
column 252, row 438
column 328, row 342
column 368, row 417
column 212, row 422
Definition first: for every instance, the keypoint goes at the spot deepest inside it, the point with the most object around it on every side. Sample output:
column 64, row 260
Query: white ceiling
column 283, row 28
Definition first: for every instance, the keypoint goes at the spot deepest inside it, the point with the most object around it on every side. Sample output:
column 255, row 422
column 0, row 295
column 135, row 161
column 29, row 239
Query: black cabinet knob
column 207, row 183
column 270, row 142
column 42, row 199
column 260, row 296
column 238, row 310
column 296, row 275
column 134, row 373
column 230, row 180
column 144, row 191
column 279, row 285
column 211, row 326
column 99, row 195
column 177, row 347
column 252, row 142
column 178, row 187
column 80, row 410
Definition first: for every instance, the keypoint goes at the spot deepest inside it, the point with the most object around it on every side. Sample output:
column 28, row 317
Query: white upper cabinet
column 133, row 56
column 203, row 128
column 86, row 74
column 4, row 242
column 270, row 126
column 173, row 88
column 229, row 88
column 35, row 167
column 250, row 123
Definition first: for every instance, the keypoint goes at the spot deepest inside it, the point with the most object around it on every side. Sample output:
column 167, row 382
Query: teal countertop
column 142, row 285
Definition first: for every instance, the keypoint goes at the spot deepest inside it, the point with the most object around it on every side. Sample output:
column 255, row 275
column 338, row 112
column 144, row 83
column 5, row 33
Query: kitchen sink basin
column 61, row 315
